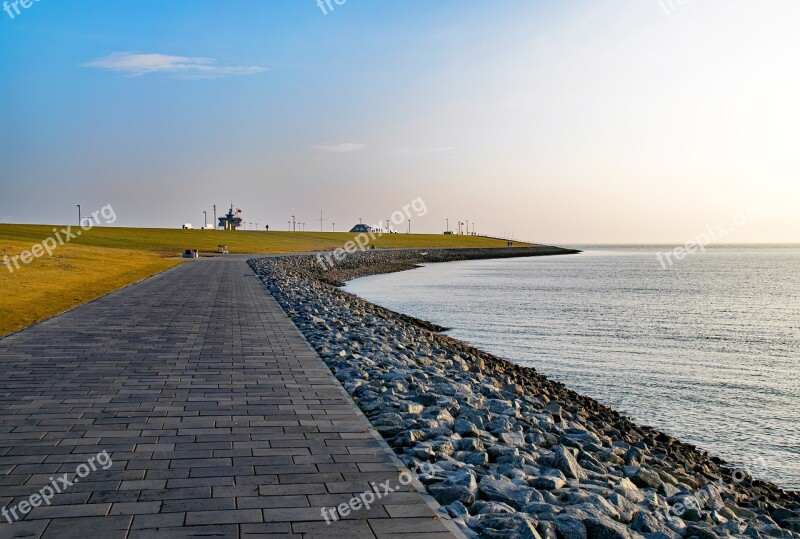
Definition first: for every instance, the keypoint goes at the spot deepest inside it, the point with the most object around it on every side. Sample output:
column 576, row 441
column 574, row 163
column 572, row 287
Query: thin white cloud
column 136, row 65
column 344, row 147
column 416, row 151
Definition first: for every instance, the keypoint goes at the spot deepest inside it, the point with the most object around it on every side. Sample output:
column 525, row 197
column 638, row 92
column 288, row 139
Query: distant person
column 267, row 228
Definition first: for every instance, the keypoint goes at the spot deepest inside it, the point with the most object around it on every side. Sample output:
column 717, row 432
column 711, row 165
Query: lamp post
column 294, row 224
column 409, row 226
column 215, row 217
column 205, row 219
column 79, row 214
column 447, row 228
column 334, row 227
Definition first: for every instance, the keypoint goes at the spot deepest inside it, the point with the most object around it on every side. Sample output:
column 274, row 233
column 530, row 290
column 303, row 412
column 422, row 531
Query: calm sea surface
column 707, row 350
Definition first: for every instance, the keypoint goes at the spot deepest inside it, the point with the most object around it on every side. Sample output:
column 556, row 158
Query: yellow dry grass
column 104, row 259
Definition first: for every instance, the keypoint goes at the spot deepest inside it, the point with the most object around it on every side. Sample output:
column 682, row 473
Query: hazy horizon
column 598, row 123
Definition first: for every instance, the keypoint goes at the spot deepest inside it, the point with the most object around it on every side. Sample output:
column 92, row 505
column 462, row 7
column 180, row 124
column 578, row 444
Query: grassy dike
column 104, row 259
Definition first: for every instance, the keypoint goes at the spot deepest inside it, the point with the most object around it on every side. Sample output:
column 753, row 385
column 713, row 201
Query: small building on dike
column 231, row 220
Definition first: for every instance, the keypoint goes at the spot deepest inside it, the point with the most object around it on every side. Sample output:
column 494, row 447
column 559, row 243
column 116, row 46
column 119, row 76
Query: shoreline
column 518, row 451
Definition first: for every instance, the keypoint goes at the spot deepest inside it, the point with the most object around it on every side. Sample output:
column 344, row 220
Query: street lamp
column 205, row 219
column 409, row 226
column 334, row 227
column 79, row 214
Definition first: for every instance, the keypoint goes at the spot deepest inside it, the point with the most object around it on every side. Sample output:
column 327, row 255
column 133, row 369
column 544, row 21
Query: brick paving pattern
column 219, row 419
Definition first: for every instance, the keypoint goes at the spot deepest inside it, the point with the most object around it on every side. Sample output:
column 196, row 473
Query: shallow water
column 707, row 350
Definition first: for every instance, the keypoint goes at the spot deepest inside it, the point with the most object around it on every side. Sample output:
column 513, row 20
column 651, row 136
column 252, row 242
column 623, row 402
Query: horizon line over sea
column 706, row 350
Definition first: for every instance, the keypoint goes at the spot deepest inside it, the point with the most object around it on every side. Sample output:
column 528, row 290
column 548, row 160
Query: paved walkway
column 217, row 417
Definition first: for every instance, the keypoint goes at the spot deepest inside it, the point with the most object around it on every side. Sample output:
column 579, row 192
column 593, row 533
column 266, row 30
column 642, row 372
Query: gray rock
column 591, row 503
column 446, row 494
column 634, row 457
column 662, row 535
column 498, row 406
column 647, row 523
column 552, row 472
column 547, row 529
column 505, row 526
column 466, row 428
column 753, row 533
column 644, row 478
column 626, row 509
column 792, row 524
column 773, row 530
column 730, row 527
column 701, row 532
column 667, row 490
column 483, row 507
column 569, row 528
column 498, row 451
column 541, row 508
column 564, row 460
column 457, row 509
column 686, row 507
column 555, row 410
column 502, row 490
column 605, row 528
column 410, row 437
column 512, row 438
column 548, row 483
column 780, row 514
column 470, row 444
column 464, row 477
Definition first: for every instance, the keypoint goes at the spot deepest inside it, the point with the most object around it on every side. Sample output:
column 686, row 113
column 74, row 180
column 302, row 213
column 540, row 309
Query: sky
column 590, row 121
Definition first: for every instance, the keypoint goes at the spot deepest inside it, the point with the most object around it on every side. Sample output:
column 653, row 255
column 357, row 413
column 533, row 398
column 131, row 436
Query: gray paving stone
column 230, row 516
column 113, row 527
column 217, row 532
column 219, row 418
column 26, row 529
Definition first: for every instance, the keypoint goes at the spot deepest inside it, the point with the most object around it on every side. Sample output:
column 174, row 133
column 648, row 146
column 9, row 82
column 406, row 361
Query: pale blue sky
column 587, row 121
